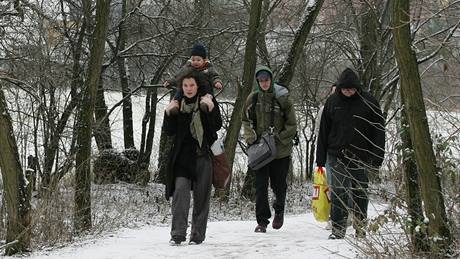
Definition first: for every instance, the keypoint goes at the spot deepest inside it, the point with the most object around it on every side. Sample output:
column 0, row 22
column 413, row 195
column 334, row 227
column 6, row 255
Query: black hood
column 348, row 79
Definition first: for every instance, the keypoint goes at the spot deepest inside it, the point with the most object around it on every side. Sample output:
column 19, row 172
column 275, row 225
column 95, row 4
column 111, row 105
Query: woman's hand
column 172, row 108
column 207, row 100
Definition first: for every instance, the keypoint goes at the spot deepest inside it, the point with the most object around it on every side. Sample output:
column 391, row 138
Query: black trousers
column 348, row 180
column 276, row 171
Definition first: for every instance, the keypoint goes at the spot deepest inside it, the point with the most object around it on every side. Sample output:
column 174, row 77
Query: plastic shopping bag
column 321, row 203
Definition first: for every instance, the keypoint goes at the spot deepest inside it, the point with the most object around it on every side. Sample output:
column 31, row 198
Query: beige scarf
column 196, row 128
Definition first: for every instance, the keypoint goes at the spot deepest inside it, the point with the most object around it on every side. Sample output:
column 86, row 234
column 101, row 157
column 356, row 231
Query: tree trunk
column 369, row 48
column 250, row 60
column 300, row 37
column 412, row 97
column 83, row 156
column 102, row 132
column 15, row 186
column 413, row 198
column 261, row 42
column 128, row 131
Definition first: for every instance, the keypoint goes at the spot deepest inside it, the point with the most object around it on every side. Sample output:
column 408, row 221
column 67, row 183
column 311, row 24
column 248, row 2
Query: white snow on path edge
column 300, row 237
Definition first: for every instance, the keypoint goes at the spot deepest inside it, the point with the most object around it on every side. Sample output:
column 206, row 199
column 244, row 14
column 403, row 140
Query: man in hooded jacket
column 352, row 139
column 257, row 120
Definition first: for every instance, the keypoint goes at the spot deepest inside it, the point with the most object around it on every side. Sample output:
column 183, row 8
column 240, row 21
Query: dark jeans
column 348, row 180
column 276, row 171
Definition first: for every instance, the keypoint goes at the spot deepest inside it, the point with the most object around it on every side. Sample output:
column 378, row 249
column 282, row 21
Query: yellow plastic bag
column 321, row 203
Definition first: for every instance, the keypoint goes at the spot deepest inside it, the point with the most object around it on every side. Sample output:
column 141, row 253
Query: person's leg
column 329, row 185
column 180, row 207
column 360, row 199
column 262, row 207
column 339, row 197
column 328, row 172
column 278, row 175
column 278, row 181
column 201, row 197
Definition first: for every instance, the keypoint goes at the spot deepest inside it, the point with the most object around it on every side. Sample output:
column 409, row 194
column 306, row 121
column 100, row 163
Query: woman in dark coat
column 190, row 164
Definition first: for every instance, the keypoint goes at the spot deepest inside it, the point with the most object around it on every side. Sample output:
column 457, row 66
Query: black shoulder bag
column 263, row 151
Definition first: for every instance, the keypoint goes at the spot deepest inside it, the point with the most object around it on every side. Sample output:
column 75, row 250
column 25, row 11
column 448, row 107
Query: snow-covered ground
column 300, row 237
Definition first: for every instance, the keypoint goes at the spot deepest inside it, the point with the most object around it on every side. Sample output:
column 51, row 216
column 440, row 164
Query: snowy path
column 300, row 237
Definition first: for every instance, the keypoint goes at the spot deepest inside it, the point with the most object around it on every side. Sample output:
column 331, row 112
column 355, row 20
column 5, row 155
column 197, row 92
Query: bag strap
column 272, row 116
column 252, row 112
column 253, row 115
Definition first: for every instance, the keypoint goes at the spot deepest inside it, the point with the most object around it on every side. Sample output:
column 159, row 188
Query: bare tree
column 83, row 156
column 15, row 185
column 414, row 106
column 413, row 195
column 128, row 131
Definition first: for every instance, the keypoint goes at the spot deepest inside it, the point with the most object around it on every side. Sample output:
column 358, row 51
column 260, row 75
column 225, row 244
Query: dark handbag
column 262, row 152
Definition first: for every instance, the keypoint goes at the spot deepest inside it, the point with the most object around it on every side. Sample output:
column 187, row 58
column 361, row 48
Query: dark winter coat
column 351, row 127
column 285, row 125
column 183, row 156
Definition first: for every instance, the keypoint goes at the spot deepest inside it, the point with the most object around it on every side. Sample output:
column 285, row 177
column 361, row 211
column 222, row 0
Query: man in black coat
column 352, row 139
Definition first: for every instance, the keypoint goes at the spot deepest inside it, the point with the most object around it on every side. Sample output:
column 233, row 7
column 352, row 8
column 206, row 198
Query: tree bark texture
column 413, row 196
column 128, row 131
column 414, row 106
column 83, row 156
column 102, row 132
column 369, row 48
column 15, row 186
column 300, row 37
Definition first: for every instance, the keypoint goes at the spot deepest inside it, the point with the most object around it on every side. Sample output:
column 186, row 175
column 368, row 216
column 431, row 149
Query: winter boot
column 261, row 228
column 278, row 220
column 334, row 236
column 176, row 240
column 195, row 242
